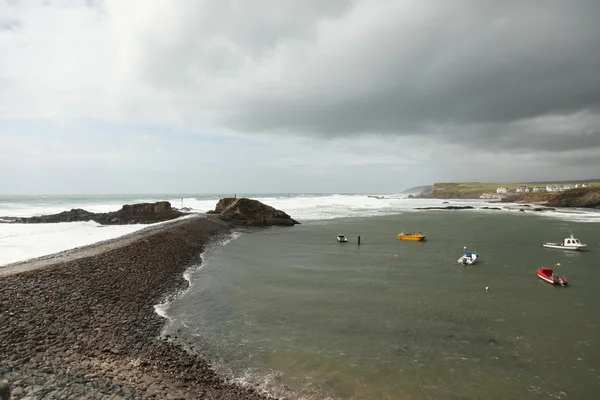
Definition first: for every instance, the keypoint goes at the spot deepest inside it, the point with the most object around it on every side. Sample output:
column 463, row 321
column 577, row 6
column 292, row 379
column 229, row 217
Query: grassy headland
column 579, row 197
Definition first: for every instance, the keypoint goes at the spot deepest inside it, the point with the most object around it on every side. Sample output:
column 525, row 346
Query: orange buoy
column 395, row 255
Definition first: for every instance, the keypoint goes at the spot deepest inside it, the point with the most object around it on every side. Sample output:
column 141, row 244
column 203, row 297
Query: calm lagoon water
column 304, row 316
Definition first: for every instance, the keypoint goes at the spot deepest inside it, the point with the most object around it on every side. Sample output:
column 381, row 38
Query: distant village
column 547, row 188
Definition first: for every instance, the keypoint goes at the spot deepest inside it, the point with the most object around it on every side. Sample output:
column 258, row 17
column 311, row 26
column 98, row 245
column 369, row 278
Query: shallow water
column 308, row 317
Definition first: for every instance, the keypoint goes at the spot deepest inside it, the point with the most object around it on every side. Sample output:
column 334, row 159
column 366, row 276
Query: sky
column 273, row 96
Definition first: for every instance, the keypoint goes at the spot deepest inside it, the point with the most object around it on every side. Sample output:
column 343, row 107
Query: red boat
column 548, row 275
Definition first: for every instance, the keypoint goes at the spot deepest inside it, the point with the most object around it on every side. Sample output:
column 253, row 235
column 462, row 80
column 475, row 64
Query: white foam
column 20, row 242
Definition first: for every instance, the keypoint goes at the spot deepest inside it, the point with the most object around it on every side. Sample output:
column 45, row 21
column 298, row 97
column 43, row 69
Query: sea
column 297, row 314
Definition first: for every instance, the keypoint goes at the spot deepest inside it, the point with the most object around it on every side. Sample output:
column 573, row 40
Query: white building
column 553, row 188
column 522, row 189
column 501, row 190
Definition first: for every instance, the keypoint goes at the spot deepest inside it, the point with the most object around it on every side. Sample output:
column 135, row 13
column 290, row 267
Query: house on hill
column 522, row 189
column 501, row 190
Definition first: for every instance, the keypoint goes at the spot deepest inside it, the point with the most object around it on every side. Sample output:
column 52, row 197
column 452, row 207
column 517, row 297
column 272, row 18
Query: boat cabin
column 571, row 242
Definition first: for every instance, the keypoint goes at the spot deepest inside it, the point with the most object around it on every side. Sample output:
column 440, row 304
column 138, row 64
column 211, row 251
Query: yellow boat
column 411, row 236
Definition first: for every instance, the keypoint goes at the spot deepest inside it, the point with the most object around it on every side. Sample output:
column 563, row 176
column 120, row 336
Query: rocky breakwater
column 87, row 328
column 142, row 213
column 248, row 212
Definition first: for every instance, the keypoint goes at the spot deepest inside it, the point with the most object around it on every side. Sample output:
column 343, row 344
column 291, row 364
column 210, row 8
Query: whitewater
column 20, row 242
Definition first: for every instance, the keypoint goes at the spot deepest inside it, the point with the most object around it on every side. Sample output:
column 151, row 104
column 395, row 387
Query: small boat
column 411, row 236
column 548, row 275
column 469, row 258
column 570, row 243
column 342, row 238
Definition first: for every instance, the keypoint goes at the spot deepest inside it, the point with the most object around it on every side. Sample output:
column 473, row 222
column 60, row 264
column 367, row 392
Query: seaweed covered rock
column 248, row 212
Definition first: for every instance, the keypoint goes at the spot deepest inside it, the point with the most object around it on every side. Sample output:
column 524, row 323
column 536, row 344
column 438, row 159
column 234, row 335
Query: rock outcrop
column 446, row 208
column 248, row 212
column 585, row 197
column 142, row 213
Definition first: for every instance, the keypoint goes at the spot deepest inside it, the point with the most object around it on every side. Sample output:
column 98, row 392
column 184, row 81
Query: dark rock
column 248, row 212
column 143, row 213
column 584, row 197
column 446, row 208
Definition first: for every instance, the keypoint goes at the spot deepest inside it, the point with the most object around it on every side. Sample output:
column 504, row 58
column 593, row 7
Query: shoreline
column 83, row 322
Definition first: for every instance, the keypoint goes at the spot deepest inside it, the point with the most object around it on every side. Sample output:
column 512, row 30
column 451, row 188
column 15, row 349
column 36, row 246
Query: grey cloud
column 466, row 63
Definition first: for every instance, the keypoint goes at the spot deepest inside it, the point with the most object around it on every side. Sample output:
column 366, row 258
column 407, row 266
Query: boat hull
column 559, row 246
column 546, row 275
column 467, row 260
column 414, row 238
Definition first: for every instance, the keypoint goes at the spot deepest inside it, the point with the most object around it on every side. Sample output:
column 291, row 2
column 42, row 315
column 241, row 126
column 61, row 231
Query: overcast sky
column 154, row 96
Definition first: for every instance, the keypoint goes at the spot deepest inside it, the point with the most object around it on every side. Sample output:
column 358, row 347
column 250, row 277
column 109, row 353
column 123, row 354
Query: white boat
column 469, row 258
column 342, row 238
column 570, row 243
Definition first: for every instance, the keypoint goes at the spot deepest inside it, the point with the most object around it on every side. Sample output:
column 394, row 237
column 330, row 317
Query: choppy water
column 307, row 317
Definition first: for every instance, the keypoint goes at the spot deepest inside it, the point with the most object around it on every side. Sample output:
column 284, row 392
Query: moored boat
column 469, row 258
column 570, row 243
column 548, row 275
column 342, row 238
column 418, row 236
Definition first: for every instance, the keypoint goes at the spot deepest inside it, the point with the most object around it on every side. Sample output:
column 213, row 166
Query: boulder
column 248, row 212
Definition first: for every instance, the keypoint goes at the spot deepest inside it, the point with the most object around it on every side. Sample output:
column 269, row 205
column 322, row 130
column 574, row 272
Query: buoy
column 464, row 248
column 395, row 255
column 487, row 287
column 558, row 264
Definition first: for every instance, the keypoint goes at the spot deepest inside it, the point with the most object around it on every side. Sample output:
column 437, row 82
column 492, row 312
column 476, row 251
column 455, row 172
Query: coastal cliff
column 448, row 190
column 583, row 197
column 588, row 197
column 142, row 213
column 248, row 212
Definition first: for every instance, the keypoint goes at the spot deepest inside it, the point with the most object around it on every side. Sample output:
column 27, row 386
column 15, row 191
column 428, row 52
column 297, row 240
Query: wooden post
column 359, row 240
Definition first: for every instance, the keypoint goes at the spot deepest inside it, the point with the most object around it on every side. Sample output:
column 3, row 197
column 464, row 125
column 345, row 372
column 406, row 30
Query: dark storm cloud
column 452, row 65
